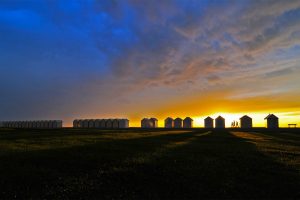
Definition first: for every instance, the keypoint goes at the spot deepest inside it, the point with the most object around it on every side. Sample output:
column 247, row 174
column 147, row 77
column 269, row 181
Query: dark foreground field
column 140, row 164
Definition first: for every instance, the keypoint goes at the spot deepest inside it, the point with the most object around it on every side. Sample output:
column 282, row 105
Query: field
column 149, row 164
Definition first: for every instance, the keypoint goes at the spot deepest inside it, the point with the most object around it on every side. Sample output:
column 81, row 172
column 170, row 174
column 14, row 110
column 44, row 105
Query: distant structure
column 246, row 122
column 101, row 123
column 169, row 122
column 85, row 123
column 123, row 123
column 97, row 123
column 178, row 123
column 145, row 123
column 154, row 122
column 208, row 122
column 188, row 122
column 149, row 123
column 91, row 123
column 220, row 122
column 40, row 124
column 272, row 121
column 115, row 123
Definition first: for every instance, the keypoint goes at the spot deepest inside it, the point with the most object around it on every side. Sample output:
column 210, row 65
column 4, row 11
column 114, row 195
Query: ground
column 149, row 164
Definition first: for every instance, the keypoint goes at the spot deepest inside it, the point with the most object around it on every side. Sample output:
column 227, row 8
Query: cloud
column 98, row 54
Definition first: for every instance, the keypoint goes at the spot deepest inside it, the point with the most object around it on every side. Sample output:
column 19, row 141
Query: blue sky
column 87, row 59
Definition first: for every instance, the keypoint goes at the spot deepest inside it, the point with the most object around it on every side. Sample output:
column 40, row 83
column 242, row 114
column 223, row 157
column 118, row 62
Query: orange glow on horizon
column 285, row 118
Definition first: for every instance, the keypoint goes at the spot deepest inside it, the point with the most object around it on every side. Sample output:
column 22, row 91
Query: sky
column 139, row 58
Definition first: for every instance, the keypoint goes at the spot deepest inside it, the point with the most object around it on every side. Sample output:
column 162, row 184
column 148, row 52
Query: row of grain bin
column 149, row 123
column 101, row 123
column 40, row 124
column 245, row 122
column 178, row 122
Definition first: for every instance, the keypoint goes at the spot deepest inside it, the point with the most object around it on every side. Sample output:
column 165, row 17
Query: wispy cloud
column 110, row 56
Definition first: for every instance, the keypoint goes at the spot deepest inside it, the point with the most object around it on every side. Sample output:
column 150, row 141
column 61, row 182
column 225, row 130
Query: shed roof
column 169, row 118
column 245, row 117
column 188, row 118
column 271, row 116
column 178, row 118
column 220, row 117
column 208, row 118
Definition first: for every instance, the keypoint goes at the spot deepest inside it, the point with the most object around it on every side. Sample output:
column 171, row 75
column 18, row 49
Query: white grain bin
column 57, row 124
column 38, row 124
column 27, row 124
column 34, row 124
column 91, row 123
column 48, row 122
column 178, row 123
column 42, row 123
column 115, row 123
column 85, row 123
column 145, row 123
column 98, row 123
column 220, row 122
column 272, row 121
column 123, row 123
column 154, row 122
column 75, row 123
column 169, row 122
column 246, row 122
column 103, row 123
column 30, row 124
column 109, row 123
column 208, row 122
column 188, row 122
column 23, row 124
column 80, row 123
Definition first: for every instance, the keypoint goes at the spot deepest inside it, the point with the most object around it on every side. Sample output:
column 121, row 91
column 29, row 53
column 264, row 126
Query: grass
column 149, row 164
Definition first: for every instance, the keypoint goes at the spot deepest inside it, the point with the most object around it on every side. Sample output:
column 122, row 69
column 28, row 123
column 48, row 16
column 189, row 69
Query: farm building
column 169, row 122
column 115, row 123
column 154, row 122
column 220, row 122
column 208, row 122
column 91, row 123
column 32, row 124
column 188, row 122
column 149, row 123
column 123, row 123
column 75, row 123
column 80, row 123
column 85, row 123
column 109, row 123
column 97, row 123
column 272, row 121
column 178, row 123
column 145, row 123
column 103, row 123
column 246, row 122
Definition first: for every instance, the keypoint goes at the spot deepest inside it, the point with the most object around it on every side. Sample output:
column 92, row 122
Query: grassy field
column 149, row 164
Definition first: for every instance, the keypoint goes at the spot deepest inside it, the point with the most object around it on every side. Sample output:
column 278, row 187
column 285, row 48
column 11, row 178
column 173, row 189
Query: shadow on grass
column 174, row 166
